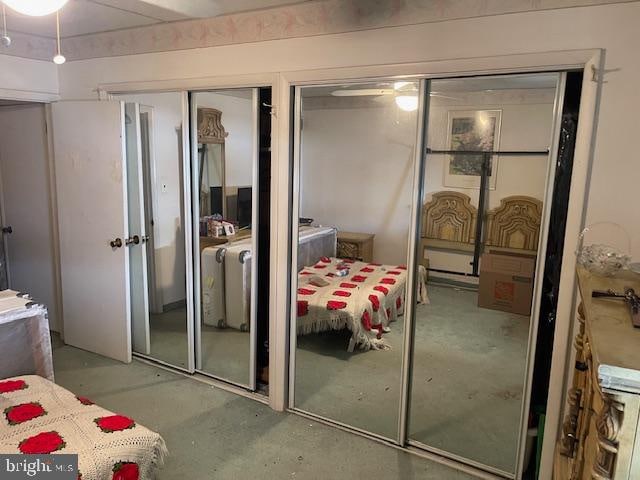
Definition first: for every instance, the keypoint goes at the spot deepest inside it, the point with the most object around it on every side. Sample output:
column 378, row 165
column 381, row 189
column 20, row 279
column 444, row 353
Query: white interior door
column 88, row 141
column 137, row 241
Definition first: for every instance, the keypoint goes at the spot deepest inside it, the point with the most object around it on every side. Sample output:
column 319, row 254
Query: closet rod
column 511, row 153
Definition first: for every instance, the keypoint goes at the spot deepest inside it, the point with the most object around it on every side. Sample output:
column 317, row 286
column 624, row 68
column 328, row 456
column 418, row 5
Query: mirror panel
column 470, row 344
column 156, row 204
column 356, row 164
column 227, row 161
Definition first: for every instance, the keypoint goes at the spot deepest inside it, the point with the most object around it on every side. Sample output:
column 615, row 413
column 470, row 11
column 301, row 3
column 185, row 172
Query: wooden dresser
column 600, row 438
column 356, row 246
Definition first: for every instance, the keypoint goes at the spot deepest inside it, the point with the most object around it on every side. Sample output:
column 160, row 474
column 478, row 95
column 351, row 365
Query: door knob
column 117, row 243
column 8, row 229
column 135, row 240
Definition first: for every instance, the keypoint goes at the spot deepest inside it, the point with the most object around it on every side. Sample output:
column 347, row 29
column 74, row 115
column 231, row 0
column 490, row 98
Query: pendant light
column 5, row 40
column 59, row 58
column 35, row 8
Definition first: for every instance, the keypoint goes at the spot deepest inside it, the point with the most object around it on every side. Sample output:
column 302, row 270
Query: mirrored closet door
column 453, row 177
column 225, row 177
column 158, row 227
column 355, row 151
column 486, row 178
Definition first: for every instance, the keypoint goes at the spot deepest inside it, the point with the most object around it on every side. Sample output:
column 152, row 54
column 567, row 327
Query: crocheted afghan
column 40, row 417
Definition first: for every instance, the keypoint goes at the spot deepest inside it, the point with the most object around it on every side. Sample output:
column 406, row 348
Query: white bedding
column 334, row 294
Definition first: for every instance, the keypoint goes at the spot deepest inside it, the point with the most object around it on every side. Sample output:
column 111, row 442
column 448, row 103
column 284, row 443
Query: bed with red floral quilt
column 335, row 293
column 40, row 417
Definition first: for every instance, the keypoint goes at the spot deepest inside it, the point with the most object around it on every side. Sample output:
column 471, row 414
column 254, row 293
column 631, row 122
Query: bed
column 40, row 417
column 336, row 294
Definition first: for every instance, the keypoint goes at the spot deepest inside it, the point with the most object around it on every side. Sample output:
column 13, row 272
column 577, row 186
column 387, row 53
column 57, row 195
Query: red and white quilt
column 364, row 297
column 40, row 417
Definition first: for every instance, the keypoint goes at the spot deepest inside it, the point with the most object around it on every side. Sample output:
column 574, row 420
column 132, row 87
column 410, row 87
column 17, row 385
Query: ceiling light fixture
column 35, row 8
column 5, row 40
column 408, row 103
column 59, row 58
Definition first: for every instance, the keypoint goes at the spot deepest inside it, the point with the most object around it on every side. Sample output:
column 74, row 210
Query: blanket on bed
column 363, row 297
column 40, row 417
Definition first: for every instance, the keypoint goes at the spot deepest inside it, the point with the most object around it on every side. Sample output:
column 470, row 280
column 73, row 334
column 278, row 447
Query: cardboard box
column 506, row 282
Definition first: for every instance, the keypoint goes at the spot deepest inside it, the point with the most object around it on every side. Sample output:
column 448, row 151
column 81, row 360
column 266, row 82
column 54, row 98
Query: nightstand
column 355, row 246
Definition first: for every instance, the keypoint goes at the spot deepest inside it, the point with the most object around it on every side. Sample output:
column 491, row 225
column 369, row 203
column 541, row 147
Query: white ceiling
column 81, row 17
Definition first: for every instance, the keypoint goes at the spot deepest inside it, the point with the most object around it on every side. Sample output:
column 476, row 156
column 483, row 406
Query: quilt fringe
column 158, row 457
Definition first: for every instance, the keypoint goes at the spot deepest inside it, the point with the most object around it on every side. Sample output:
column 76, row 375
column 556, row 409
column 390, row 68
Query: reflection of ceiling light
column 35, row 8
column 408, row 103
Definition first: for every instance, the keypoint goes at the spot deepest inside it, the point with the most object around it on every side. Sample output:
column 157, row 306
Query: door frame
column 284, row 208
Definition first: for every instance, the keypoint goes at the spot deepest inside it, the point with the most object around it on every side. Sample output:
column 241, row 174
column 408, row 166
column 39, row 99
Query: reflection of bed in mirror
column 226, row 275
column 336, row 294
column 449, row 223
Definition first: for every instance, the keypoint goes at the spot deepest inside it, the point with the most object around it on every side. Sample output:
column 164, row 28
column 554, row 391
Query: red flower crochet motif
column 375, row 302
column 341, row 293
column 42, row 443
column 23, row 412
column 335, row 305
column 380, row 288
column 126, row 471
column 348, row 285
column 303, row 308
column 12, row 386
column 84, row 401
column 114, row 423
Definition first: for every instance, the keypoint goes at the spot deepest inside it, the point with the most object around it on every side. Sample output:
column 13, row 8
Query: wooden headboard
column 449, row 221
column 515, row 224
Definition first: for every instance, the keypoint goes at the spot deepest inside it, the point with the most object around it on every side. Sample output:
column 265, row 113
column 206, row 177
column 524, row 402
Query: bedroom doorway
column 458, row 172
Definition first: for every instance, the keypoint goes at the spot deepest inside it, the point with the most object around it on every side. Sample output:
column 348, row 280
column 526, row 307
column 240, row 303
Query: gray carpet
column 225, row 351
column 467, row 383
column 211, row 433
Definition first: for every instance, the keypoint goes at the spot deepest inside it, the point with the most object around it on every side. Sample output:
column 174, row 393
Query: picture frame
column 471, row 130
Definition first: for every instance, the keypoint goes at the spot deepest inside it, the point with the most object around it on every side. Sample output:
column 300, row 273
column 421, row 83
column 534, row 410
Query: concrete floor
column 467, row 385
column 211, row 433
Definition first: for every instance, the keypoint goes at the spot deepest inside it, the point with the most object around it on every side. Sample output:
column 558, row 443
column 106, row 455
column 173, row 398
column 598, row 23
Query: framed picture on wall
column 471, row 130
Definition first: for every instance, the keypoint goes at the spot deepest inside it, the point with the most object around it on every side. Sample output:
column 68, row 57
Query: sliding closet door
column 161, row 223
column 486, row 177
column 353, row 182
column 225, row 177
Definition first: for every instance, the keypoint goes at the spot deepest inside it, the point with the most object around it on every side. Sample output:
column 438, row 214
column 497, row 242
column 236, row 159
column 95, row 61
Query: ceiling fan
column 405, row 94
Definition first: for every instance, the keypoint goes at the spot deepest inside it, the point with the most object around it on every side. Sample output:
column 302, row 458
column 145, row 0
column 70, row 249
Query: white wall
column 25, row 79
column 357, row 171
column 26, row 201
column 237, row 119
column 168, row 228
